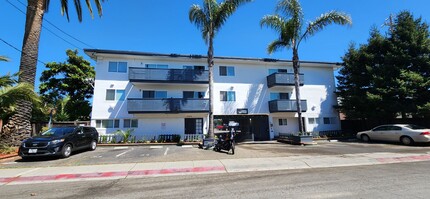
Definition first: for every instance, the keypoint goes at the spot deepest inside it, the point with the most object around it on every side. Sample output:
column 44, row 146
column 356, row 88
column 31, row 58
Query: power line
column 12, row 46
column 49, row 30
column 59, row 29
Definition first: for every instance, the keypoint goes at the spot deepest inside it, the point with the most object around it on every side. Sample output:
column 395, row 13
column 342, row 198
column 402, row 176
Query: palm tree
column 30, row 48
column 3, row 58
column 10, row 91
column 209, row 21
column 291, row 33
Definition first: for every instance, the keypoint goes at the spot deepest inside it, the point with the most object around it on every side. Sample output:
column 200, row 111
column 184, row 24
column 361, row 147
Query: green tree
column 388, row 76
column 290, row 28
column 30, row 48
column 69, row 86
column 209, row 19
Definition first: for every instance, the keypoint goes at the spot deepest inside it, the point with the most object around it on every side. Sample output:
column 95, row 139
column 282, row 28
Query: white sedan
column 407, row 134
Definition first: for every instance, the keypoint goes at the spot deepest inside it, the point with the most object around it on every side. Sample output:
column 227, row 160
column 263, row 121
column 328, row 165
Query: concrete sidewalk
column 139, row 170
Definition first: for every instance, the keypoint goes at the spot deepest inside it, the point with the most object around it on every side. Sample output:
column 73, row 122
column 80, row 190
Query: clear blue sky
column 162, row 26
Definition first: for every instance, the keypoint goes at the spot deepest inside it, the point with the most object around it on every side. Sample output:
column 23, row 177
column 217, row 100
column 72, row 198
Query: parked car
column 59, row 141
column 222, row 127
column 407, row 134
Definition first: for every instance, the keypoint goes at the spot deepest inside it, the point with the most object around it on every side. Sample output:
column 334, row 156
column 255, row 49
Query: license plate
column 32, row 150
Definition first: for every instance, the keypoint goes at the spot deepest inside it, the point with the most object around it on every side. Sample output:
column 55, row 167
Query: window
column 279, row 96
column 154, row 94
column 159, row 66
column 194, row 67
column 228, row 95
column 226, row 71
column 271, row 71
column 130, row 123
column 329, row 120
column 119, row 67
column 107, row 123
column 282, row 122
column 193, row 95
column 313, row 120
column 112, row 95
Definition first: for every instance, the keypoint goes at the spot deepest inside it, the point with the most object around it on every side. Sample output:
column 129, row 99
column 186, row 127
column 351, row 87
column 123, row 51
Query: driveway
column 172, row 153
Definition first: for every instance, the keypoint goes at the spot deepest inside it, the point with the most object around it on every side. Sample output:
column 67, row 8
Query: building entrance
column 250, row 127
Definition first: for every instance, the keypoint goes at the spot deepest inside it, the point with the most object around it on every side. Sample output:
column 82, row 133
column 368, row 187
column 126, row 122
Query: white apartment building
column 157, row 94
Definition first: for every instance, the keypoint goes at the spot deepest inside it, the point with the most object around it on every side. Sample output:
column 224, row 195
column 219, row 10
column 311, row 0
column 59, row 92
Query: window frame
column 116, row 96
column 227, row 71
column 128, row 123
column 120, row 67
column 225, row 96
column 282, row 121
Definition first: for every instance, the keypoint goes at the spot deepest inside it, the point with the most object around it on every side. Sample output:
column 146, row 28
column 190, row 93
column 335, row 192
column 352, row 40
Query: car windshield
column 58, row 131
column 415, row 127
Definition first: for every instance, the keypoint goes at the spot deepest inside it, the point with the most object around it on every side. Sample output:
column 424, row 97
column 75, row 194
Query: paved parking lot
column 171, row 153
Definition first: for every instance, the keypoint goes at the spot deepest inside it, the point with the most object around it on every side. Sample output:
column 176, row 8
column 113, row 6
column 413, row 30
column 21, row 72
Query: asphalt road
column 402, row 180
column 171, row 153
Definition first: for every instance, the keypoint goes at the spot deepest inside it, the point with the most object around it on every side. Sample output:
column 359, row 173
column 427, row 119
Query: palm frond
column 332, row 17
column 10, row 94
column 78, row 7
column 200, row 19
column 277, row 45
column 274, row 22
column 291, row 8
column 225, row 10
column 3, row 58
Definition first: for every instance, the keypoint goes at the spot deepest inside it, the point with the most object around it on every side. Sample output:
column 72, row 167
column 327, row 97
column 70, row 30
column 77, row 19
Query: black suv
column 59, row 141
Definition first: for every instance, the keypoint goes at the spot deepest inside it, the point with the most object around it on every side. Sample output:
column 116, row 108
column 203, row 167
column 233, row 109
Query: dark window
column 284, row 96
column 227, row 96
column 381, row 128
column 148, row 94
column 282, row 122
column 188, row 94
column 226, row 71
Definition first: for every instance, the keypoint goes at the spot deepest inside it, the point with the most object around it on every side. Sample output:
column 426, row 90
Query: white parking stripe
column 120, row 147
column 156, row 147
column 124, row 152
column 165, row 152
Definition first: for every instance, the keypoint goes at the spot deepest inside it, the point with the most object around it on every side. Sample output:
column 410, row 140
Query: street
column 168, row 153
column 400, row 180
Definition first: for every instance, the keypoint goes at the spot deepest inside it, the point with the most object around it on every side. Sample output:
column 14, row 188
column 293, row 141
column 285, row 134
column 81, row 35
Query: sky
column 162, row 26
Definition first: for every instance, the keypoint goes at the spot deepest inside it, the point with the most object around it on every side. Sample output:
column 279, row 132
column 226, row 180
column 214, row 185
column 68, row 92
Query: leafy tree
column 30, row 49
column 290, row 28
column 69, row 87
column 209, row 19
column 388, row 76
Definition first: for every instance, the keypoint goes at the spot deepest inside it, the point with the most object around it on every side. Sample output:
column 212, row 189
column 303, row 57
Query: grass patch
column 4, row 150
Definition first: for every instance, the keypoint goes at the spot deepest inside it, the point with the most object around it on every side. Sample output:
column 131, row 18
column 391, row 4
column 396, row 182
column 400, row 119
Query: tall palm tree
column 30, row 48
column 291, row 33
column 3, row 58
column 10, row 91
column 209, row 19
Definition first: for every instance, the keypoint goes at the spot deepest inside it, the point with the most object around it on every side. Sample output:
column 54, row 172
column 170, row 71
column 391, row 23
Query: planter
column 302, row 139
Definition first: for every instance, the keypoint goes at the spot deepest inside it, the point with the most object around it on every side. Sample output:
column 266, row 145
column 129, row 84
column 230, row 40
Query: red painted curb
column 110, row 174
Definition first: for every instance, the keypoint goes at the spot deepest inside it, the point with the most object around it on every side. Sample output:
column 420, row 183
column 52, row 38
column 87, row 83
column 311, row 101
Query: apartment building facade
column 157, row 94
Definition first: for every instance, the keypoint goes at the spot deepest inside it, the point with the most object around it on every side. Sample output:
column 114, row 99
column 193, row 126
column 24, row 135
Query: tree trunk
column 27, row 68
column 296, row 67
column 211, row 84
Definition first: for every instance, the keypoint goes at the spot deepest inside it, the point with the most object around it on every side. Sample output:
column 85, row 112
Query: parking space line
column 165, row 152
column 156, row 147
column 124, row 152
column 120, row 147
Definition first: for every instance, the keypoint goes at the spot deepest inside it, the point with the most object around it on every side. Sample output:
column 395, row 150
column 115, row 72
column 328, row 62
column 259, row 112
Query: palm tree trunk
column 27, row 68
column 296, row 67
column 211, row 84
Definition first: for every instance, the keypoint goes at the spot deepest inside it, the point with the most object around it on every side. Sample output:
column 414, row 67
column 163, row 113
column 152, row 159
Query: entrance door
column 193, row 125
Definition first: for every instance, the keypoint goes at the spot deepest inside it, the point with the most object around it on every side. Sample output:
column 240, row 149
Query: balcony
column 167, row 105
column 188, row 76
column 286, row 106
column 283, row 79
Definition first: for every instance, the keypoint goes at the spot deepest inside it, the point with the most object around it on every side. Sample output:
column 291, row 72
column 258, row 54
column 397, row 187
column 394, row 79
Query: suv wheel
column 66, row 151
column 93, row 145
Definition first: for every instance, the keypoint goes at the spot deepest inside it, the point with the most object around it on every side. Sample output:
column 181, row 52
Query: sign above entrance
column 242, row 111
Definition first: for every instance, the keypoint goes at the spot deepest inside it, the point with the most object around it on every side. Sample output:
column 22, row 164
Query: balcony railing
column 283, row 79
column 168, row 75
column 286, row 106
column 167, row 105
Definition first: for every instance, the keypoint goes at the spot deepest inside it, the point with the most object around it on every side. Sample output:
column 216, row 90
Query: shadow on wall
column 255, row 98
column 117, row 106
